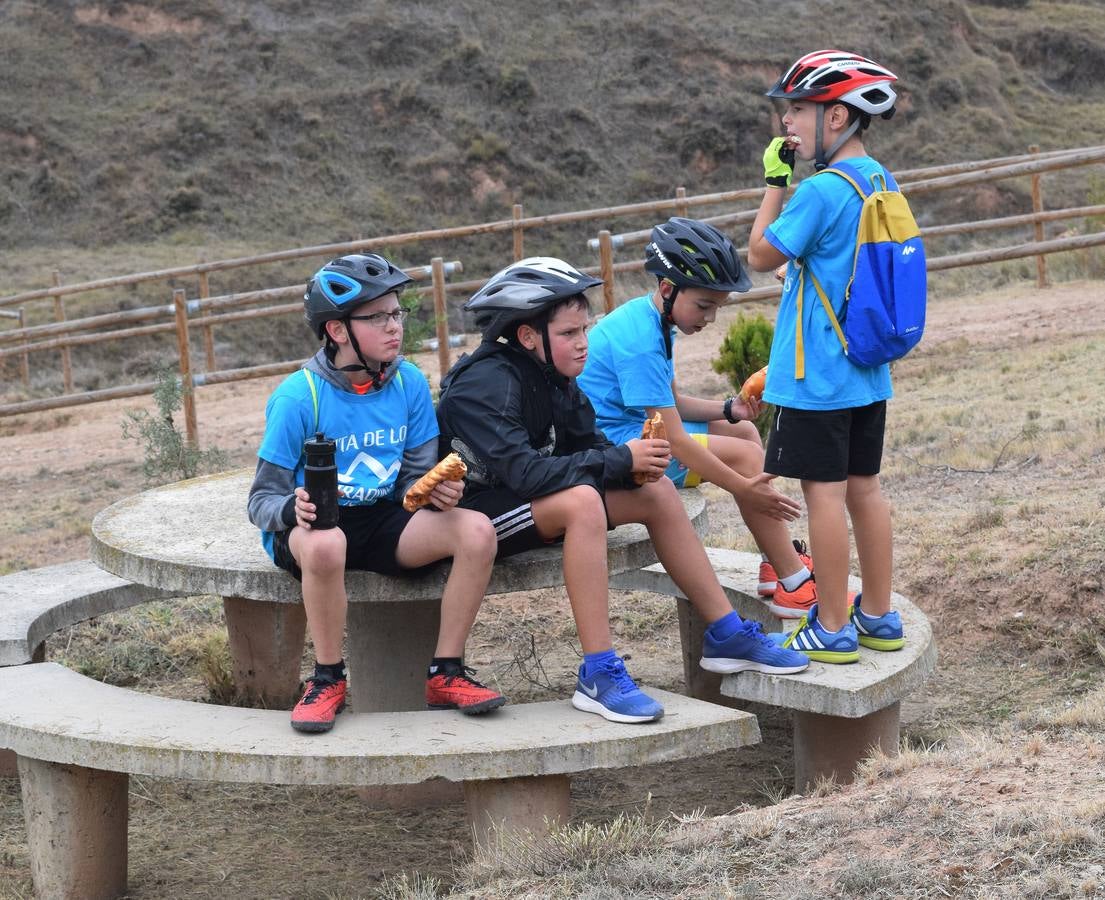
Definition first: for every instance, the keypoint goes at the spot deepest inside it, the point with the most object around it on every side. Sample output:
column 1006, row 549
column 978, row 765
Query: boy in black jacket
column 541, row 471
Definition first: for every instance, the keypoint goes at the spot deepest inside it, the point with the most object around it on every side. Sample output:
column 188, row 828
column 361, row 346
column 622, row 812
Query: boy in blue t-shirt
column 829, row 425
column 630, row 375
column 360, row 392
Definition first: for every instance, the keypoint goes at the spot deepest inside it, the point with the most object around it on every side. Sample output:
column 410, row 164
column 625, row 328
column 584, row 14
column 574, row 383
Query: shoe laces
column 464, row 673
column 620, row 676
column 754, row 631
column 316, row 688
column 802, row 623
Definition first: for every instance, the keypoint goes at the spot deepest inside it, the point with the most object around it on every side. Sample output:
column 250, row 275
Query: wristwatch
column 727, row 411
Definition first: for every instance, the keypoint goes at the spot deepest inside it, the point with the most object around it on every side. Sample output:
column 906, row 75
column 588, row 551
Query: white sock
column 791, row 582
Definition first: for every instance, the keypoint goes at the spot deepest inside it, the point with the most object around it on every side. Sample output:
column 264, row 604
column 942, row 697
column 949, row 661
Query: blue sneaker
column 750, row 650
column 612, row 694
column 878, row 632
column 821, row 645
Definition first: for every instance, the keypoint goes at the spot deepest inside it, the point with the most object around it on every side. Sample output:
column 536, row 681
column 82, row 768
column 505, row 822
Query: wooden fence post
column 681, row 208
column 25, row 366
column 518, row 232
column 66, row 359
column 1038, row 226
column 441, row 315
column 606, row 267
column 208, row 331
column 187, row 389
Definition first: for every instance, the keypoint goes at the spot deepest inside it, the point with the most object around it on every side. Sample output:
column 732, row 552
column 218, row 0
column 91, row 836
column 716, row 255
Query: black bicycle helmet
column 523, row 290
column 693, row 254
column 345, row 283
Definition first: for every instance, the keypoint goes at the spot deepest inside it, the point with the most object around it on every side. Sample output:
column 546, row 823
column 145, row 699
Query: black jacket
column 520, row 426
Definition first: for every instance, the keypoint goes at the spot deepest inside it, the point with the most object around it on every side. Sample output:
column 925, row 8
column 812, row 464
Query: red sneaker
column 321, row 702
column 768, row 576
column 794, row 604
column 457, row 689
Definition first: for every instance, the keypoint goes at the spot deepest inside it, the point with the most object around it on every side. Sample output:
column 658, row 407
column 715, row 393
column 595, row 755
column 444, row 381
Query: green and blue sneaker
column 817, row 643
column 878, row 632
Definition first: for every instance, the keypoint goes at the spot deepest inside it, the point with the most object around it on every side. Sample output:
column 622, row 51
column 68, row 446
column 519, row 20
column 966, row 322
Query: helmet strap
column 823, row 155
column 363, row 366
column 666, row 318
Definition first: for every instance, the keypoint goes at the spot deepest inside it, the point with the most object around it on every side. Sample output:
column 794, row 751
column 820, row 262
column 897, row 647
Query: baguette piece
column 653, row 428
column 452, row 468
column 754, row 385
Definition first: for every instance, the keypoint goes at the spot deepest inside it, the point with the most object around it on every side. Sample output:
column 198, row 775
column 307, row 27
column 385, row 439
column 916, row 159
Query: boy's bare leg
column 771, row 536
column 870, row 514
column 578, row 514
column 745, row 430
column 657, row 506
column 829, row 543
column 321, row 556
column 469, row 538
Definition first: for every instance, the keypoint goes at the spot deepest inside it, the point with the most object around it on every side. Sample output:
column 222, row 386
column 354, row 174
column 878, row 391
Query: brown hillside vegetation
column 994, row 467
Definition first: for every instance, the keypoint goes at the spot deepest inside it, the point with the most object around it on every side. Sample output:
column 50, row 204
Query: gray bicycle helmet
column 523, row 290
column 345, row 283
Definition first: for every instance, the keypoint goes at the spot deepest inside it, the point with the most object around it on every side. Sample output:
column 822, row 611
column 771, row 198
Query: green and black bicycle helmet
column 693, row 254
column 339, row 287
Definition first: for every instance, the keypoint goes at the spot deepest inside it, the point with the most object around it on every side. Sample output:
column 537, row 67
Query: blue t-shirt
column 818, row 226
column 627, row 369
column 371, row 431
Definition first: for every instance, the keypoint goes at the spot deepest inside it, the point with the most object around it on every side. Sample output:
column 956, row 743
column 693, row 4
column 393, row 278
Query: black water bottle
column 320, row 479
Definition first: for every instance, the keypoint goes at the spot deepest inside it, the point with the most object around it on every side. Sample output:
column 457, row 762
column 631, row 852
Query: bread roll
column 452, row 468
column 653, row 428
column 753, row 387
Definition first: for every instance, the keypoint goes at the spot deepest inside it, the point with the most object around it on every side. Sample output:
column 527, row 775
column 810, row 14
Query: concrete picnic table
column 193, row 537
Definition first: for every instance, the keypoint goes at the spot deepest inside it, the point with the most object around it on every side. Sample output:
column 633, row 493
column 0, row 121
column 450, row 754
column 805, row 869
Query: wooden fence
column 206, row 312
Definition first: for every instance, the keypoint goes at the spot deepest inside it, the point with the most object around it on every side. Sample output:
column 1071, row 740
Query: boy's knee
column 585, row 507
column 476, row 538
column 322, row 551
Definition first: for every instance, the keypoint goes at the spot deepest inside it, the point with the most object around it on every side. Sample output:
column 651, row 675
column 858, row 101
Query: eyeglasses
column 382, row 319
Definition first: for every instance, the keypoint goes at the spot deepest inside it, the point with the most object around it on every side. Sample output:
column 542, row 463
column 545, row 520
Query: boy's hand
column 759, row 496
column 650, row 457
column 779, row 162
column 447, row 494
column 304, row 508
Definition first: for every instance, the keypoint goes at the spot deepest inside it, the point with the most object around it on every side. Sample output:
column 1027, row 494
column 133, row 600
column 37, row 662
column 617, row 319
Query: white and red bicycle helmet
column 836, row 76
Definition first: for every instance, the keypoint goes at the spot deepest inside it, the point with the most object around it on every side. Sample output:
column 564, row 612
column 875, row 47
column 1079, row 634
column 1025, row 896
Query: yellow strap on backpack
column 799, row 350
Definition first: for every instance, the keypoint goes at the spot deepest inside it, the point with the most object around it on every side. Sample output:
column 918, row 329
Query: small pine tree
column 746, row 349
column 168, row 456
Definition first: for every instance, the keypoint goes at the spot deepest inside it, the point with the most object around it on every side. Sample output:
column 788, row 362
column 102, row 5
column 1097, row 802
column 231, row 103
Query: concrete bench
column 840, row 711
column 193, row 537
column 37, row 603
column 78, row 740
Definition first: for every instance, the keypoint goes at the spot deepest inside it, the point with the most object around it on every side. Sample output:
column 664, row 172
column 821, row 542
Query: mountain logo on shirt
column 362, row 458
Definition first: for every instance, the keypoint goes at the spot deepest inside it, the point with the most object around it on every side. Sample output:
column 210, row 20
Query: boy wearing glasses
column 376, row 407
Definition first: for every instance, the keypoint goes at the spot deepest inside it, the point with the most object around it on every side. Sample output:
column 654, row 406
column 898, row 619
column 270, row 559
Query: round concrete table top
column 194, row 537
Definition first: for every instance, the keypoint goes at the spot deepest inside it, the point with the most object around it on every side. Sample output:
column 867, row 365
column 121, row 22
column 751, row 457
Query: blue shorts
column 679, row 473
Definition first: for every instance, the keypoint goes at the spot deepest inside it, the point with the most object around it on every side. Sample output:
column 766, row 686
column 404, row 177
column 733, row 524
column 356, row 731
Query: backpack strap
column 799, row 350
column 314, row 394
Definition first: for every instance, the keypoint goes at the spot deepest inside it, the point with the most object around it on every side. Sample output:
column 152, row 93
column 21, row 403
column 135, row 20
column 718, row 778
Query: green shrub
column 168, row 455
column 745, row 350
column 417, row 327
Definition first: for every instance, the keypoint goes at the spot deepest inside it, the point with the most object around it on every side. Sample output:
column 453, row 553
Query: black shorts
column 513, row 519
column 826, row 444
column 371, row 537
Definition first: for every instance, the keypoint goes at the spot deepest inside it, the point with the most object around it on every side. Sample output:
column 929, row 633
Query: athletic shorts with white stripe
column 512, row 517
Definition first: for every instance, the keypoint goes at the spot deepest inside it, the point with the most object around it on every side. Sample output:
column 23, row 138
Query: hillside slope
column 267, row 121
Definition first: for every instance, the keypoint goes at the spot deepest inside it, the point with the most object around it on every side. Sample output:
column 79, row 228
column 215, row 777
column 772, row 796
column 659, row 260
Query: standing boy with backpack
column 541, row 471
column 830, row 410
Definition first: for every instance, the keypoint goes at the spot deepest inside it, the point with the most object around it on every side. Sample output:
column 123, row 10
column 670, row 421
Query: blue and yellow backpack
column 883, row 314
